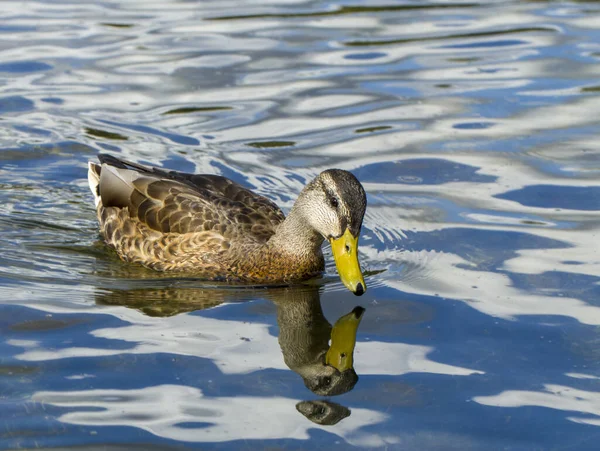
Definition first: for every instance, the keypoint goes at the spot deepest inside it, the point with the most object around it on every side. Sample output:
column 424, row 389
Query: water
column 474, row 127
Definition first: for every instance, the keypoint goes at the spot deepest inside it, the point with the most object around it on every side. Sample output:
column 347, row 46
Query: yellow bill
column 343, row 338
column 345, row 253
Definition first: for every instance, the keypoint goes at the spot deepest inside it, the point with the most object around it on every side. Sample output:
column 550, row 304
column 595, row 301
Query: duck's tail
column 94, row 180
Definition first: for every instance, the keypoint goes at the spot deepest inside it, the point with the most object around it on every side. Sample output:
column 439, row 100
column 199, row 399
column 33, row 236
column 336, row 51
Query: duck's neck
column 295, row 236
column 293, row 253
column 303, row 330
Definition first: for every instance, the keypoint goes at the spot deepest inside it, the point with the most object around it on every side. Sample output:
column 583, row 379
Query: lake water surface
column 475, row 129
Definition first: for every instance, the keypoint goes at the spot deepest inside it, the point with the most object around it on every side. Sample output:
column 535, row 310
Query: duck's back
column 162, row 218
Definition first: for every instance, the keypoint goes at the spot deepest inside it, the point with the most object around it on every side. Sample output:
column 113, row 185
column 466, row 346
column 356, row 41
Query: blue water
column 475, row 129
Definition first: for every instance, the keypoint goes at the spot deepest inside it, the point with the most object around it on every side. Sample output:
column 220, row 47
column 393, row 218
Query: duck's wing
column 176, row 202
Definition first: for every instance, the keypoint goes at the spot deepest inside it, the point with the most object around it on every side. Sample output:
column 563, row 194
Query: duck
column 215, row 229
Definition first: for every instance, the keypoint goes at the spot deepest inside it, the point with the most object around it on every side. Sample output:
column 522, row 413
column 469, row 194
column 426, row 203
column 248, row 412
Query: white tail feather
column 94, row 181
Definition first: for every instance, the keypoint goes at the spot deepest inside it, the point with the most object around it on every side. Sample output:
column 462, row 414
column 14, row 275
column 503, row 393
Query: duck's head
column 323, row 412
column 334, row 205
column 335, row 374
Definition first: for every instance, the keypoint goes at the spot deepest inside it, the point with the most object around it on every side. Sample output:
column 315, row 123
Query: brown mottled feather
column 205, row 224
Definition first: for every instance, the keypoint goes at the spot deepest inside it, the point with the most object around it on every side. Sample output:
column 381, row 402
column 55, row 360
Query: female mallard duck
column 219, row 230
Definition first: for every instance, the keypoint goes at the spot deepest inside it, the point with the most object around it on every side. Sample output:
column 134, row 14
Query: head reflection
column 304, row 336
column 320, row 353
column 323, row 412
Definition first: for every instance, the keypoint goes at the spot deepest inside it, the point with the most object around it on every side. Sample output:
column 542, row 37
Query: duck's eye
column 333, row 202
column 320, row 411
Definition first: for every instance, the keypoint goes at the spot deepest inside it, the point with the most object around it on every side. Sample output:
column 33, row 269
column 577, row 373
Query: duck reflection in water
column 304, row 334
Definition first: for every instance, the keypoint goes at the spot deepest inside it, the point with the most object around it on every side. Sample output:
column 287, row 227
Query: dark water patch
column 487, row 249
column 271, row 144
column 116, row 25
column 396, row 314
column 188, row 110
column 591, row 89
column 466, row 59
column 53, row 100
column 192, row 424
column 17, row 370
column 97, row 133
column 473, row 125
column 364, row 56
column 105, row 446
column 345, row 10
column 75, row 249
column 43, row 324
column 179, row 139
column 57, row 332
column 390, row 392
column 15, row 104
column 23, row 67
column 232, row 174
column 108, row 147
column 364, row 108
column 22, row 220
column 428, row 171
column 557, row 283
column 33, row 130
column 449, row 37
column 476, row 45
column 585, row 198
column 16, row 28
column 41, row 156
column 372, row 129
column 534, row 223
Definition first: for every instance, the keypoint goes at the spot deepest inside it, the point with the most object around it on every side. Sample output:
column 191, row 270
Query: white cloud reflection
column 556, row 397
column 184, row 413
column 235, row 347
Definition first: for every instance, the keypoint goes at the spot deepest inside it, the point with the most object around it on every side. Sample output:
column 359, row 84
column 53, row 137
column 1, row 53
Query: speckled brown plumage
column 207, row 225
